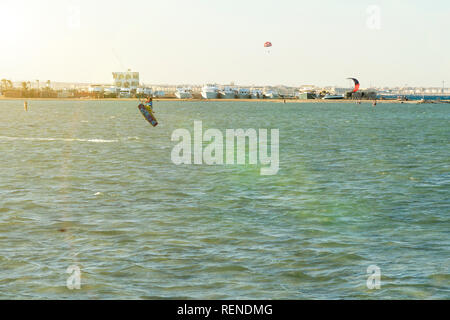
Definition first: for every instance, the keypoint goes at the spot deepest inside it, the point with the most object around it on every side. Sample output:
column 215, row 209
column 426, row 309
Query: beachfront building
column 308, row 88
column 256, row 93
column 143, row 92
column 270, row 94
column 95, row 89
column 368, row 94
column 286, row 92
column 338, row 90
column 110, row 92
column 305, row 95
column 64, row 93
column 126, row 81
column 159, row 94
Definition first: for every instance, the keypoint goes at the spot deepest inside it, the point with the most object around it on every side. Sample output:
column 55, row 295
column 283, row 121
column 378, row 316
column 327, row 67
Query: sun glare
column 12, row 22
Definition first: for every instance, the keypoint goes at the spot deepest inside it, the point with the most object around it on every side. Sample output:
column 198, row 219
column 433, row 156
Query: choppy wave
column 357, row 186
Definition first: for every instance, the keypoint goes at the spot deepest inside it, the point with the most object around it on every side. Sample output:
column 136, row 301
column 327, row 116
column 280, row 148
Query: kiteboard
column 148, row 114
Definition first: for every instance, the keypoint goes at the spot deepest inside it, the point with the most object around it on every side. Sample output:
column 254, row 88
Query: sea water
column 91, row 185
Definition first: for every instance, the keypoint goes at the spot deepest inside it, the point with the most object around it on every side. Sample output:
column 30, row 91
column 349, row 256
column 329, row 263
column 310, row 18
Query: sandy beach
column 224, row 100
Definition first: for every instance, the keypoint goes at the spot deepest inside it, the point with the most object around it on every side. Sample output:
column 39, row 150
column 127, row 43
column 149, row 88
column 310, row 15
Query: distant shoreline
column 219, row 100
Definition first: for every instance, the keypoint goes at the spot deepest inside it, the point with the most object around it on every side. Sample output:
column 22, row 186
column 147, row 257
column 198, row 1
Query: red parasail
column 268, row 44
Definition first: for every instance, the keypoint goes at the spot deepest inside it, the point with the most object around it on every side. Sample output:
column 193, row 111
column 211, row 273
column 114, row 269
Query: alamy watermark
column 74, row 280
column 74, row 16
column 222, row 151
column 373, row 21
column 374, row 279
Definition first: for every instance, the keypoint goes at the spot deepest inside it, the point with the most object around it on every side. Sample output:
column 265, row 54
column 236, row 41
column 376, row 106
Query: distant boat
column 183, row 93
column 333, row 97
column 148, row 91
column 423, row 99
column 256, row 94
column 144, row 92
column 270, row 94
column 159, row 94
column 210, row 91
column 228, row 93
column 244, row 93
column 125, row 93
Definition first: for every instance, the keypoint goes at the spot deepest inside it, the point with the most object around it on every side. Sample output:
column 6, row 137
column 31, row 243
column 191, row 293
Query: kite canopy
column 268, row 44
column 356, row 82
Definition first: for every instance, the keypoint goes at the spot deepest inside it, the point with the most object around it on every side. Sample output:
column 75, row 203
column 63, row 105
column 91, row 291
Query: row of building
column 128, row 85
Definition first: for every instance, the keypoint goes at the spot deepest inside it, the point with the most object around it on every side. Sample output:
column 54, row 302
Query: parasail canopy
column 268, row 44
column 356, row 82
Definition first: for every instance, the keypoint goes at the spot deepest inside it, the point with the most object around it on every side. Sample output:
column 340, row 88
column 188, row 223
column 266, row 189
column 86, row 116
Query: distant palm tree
column 25, row 92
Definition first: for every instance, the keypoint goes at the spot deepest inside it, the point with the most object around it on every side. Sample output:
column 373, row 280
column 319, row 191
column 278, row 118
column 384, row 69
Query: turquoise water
column 92, row 184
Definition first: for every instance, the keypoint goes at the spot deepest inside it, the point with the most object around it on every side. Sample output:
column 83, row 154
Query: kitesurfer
column 149, row 103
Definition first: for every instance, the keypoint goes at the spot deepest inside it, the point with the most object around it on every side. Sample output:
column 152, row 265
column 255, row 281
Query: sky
column 320, row 42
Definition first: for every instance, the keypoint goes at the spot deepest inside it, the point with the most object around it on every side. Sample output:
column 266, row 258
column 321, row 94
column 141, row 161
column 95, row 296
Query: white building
column 110, row 92
column 339, row 90
column 141, row 92
column 95, row 89
column 126, row 80
column 307, row 88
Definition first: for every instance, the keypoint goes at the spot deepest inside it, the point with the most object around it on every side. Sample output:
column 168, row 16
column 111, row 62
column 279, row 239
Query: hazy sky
column 318, row 42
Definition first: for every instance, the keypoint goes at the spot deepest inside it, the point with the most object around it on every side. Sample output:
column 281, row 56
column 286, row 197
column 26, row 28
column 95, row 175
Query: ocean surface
column 92, row 185
column 418, row 97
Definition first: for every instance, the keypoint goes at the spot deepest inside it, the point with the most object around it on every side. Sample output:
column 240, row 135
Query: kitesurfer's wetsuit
column 149, row 103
